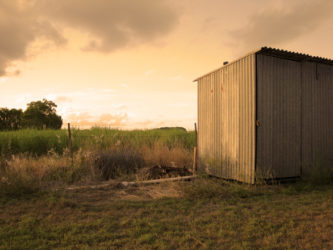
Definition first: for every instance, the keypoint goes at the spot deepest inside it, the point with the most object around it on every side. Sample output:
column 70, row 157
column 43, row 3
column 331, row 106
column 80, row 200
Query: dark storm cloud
column 18, row 28
column 277, row 26
column 112, row 24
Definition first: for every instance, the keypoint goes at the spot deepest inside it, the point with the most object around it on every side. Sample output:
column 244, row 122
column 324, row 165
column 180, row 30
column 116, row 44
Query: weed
column 321, row 173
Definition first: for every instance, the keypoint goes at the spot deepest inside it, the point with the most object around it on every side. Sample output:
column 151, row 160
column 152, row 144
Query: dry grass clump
column 25, row 174
column 120, row 161
column 161, row 154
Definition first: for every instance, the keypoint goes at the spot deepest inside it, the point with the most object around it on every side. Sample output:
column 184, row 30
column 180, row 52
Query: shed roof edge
column 250, row 53
column 277, row 53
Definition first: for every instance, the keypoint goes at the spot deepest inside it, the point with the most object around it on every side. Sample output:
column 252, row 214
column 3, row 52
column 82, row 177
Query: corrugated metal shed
column 289, row 96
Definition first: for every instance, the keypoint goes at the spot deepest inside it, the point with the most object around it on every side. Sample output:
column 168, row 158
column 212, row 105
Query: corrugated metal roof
column 295, row 56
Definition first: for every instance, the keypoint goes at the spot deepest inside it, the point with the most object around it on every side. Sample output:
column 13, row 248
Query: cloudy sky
column 131, row 63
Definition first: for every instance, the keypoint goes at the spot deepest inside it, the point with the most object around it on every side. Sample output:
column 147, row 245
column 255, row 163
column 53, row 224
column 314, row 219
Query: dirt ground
column 119, row 190
column 115, row 190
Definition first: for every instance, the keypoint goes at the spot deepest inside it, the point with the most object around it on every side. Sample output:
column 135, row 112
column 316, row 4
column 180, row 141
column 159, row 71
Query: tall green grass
column 40, row 142
column 32, row 160
column 32, row 142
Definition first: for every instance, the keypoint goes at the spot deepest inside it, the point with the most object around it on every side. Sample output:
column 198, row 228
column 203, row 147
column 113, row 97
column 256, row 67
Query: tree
column 41, row 114
column 10, row 119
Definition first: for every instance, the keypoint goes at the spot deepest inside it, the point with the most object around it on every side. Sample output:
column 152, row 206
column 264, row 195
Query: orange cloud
column 85, row 120
column 62, row 99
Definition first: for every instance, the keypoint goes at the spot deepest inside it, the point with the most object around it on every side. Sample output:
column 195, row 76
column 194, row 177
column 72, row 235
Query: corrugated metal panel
column 226, row 120
column 317, row 113
column 295, row 110
column 322, row 111
column 279, row 114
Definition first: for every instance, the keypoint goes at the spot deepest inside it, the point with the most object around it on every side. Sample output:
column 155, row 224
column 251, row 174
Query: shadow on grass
column 212, row 188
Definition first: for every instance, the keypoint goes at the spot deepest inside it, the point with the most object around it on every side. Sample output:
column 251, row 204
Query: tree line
column 38, row 115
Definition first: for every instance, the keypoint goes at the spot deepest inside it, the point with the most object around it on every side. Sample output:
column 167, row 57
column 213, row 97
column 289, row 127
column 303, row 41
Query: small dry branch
column 134, row 183
column 131, row 183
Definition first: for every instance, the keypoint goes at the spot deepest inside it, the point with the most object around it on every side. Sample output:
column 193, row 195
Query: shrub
column 118, row 162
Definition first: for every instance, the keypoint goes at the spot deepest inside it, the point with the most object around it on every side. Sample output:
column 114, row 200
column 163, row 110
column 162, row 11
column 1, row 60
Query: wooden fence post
column 70, row 142
column 196, row 134
column 195, row 150
column 195, row 161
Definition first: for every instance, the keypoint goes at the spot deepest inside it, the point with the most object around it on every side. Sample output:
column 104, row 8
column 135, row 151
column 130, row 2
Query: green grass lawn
column 206, row 213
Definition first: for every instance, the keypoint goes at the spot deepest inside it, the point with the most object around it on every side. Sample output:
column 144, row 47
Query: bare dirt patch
column 116, row 191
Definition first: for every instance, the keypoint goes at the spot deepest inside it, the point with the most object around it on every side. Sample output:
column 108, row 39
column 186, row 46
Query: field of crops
column 40, row 142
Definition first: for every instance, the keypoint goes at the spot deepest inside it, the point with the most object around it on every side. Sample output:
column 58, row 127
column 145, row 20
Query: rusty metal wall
column 279, row 116
column 226, row 121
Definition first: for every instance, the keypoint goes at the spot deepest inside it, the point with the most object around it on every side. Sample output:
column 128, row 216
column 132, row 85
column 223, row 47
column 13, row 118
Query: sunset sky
column 131, row 63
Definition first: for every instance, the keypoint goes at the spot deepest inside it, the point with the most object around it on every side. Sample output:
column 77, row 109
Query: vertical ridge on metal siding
column 236, row 105
column 217, row 122
column 329, row 93
column 247, row 118
column 308, row 77
column 252, row 130
column 214, row 120
column 242, row 109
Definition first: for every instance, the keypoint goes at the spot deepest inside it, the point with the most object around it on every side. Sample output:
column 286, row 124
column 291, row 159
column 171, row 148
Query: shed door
column 279, row 116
